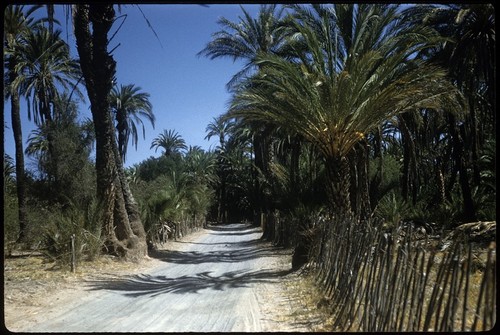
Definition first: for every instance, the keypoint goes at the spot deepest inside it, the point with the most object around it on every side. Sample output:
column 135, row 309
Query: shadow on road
column 143, row 284
column 234, row 227
column 241, row 251
column 220, row 256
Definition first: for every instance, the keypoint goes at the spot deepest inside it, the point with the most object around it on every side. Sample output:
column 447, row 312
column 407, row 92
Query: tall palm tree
column 17, row 23
column 222, row 128
column 244, row 40
column 45, row 64
column 219, row 127
column 170, row 141
column 469, row 54
column 129, row 105
column 345, row 83
column 121, row 223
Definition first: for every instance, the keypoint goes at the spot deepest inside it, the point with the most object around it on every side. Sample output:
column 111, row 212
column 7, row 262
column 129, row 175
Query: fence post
column 73, row 256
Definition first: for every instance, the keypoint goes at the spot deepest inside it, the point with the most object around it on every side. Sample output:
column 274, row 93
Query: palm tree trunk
column 460, row 168
column 131, row 207
column 258, row 164
column 338, row 174
column 20, row 175
column 294, row 164
column 122, row 226
column 363, row 199
column 378, row 177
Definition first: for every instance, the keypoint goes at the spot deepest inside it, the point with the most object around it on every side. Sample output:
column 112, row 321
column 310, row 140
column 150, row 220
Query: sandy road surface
column 210, row 284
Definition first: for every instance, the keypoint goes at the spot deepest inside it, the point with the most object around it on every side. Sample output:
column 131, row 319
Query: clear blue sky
column 186, row 91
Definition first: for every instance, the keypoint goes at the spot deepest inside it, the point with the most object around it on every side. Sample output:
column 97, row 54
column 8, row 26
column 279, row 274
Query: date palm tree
column 170, row 141
column 121, row 223
column 343, row 84
column 221, row 128
column 17, row 23
column 129, row 105
column 45, row 64
column 247, row 38
column 469, row 55
column 244, row 40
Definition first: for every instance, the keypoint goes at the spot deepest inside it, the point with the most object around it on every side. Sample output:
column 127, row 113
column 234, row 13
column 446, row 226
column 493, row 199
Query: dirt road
column 213, row 283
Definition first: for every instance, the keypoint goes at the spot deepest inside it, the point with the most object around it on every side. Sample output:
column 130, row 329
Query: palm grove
column 356, row 112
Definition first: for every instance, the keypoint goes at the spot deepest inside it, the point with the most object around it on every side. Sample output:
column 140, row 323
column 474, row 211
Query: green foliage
column 62, row 224
column 174, row 188
column 391, row 209
column 129, row 106
column 10, row 219
column 9, row 170
column 485, row 193
column 10, row 207
column 61, row 151
column 391, row 167
column 170, row 141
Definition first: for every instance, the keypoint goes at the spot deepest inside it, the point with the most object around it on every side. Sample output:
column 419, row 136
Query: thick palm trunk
column 121, row 224
column 338, row 185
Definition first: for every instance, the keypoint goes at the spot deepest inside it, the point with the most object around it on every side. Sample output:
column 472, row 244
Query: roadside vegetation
column 362, row 136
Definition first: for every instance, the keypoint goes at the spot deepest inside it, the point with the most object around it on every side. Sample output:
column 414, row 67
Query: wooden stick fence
column 379, row 281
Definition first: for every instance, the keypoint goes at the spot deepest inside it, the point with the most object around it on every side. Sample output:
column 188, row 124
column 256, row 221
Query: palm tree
column 44, row 65
column 219, row 127
column 16, row 25
column 345, row 83
column 469, row 55
column 199, row 165
column 170, row 141
column 121, row 223
column 222, row 128
column 129, row 105
column 38, row 147
column 244, row 41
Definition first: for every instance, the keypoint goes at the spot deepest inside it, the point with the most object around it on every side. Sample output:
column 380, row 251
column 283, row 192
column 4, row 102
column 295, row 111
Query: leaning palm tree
column 129, row 105
column 17, row 24
column 170, row 141
column 344, row 83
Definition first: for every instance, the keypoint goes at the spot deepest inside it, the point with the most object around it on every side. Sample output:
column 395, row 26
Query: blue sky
column 186, row 91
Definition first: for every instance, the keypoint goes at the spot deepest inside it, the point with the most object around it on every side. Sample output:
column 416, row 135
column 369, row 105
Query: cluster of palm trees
column 342, row 108
column 331, row 94
column 174, row 189
column 36, row 60
column 39, row 67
